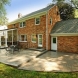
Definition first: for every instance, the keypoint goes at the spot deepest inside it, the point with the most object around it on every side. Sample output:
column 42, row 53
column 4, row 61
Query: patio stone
column 49, row 61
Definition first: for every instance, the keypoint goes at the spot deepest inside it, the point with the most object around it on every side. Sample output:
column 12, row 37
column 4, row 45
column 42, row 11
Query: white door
column 40, row 41
column 53, row 43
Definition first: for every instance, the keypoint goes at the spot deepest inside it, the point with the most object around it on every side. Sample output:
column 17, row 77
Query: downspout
column 12, row 37
column 46, row 30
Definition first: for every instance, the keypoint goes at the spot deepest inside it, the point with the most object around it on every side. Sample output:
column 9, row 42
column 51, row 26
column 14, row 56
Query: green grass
column 10, row 72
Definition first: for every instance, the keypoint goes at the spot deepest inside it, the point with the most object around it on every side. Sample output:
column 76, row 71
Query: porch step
column 43, row 52
column 37, row 49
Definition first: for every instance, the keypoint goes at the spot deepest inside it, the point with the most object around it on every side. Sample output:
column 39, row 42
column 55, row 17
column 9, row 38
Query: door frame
column 38, row 40
column 52, row 43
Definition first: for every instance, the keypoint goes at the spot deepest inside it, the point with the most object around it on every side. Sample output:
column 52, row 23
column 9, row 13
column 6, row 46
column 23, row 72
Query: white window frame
column 24, row 38
column 31, row 38
column 36, row 20
column 22, row 24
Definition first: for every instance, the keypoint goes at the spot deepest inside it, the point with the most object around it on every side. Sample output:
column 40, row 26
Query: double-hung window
column 23, row 38
column 33, row 38
column 37, row 21
column 22, row 24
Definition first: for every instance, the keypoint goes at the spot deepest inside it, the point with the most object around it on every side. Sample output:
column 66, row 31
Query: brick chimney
column 19, row 15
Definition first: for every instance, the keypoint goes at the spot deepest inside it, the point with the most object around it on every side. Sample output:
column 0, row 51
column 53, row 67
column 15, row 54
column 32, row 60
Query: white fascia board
column 64, row 34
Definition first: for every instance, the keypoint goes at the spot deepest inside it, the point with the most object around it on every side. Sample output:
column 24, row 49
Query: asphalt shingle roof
column 41, row 10
column 67, row 26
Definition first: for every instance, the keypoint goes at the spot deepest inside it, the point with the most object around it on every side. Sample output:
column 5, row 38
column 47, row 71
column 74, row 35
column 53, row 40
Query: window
column 33, row 38
column 37, row 21
column 50, row 21
column 54, row 40
column 22, row 24
column 23, row 38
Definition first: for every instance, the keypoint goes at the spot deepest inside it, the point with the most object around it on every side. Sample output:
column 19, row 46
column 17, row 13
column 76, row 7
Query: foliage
column 3, row 18
column 65, row 9
column 75, row 3
column 10, row 72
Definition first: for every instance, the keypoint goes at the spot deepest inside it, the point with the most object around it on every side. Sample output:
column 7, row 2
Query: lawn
column 10, row 72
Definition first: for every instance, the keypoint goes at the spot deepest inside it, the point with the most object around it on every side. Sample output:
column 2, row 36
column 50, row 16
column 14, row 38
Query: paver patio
column 50, row 61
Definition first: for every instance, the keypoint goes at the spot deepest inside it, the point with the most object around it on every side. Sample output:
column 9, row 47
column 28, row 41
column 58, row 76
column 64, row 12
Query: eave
column 64, row 34
column 27, row 17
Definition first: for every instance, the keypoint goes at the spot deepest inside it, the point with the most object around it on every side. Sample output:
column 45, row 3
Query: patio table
column 12, row 48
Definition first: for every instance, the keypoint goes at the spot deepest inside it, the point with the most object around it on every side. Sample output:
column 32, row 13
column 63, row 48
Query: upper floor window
column 23, row 38
column 50, row 21
column 22, row 24
column 37, row 21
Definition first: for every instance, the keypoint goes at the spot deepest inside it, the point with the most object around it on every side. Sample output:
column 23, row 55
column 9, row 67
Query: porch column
column 12, row 37
column 5, row 42
column 6, row 38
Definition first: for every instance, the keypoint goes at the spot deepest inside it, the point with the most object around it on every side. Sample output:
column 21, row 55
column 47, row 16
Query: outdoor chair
column 12, row 48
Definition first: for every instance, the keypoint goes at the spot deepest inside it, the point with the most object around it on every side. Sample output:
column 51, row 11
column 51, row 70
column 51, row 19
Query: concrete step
column 43, row 52
column 37, row 49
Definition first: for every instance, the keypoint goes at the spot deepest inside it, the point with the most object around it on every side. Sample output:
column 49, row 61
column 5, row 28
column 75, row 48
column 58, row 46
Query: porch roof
column 66, row 27
column 8, row 29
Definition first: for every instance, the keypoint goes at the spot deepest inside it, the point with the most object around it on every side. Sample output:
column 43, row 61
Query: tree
column 3, row 18
column 65, row 9
column 75, row 3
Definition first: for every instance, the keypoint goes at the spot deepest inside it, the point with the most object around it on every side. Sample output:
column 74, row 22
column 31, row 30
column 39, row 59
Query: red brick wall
column 55, row 17
column 30, row 29
column 68, row 44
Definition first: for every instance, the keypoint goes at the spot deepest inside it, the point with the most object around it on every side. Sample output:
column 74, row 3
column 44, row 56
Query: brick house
column 43, row 28
column 34, row 29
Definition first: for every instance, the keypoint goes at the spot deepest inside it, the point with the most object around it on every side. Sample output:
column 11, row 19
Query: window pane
column 23, row 37
column 24, row 24
column 40, row 39
column 37, row 20
column 54, row 40
column 50, row 20
column 20, row 24
column 34, row 38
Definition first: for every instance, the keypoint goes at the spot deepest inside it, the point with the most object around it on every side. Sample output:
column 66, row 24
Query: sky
column 24, row 7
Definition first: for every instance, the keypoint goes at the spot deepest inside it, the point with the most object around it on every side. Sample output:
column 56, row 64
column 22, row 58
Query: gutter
column 64, row 34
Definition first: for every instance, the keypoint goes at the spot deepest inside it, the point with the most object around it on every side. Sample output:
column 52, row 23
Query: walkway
column 50, row 61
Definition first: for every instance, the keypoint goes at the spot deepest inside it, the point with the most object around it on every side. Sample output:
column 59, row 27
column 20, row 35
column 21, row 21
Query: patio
column 49, row 61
